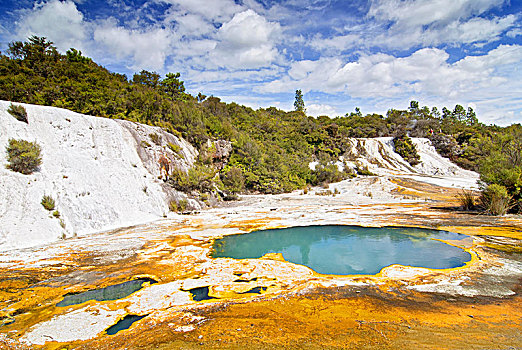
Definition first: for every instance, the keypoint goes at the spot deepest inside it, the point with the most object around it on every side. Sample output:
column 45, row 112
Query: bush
column 178, row 206
column 466, row 199
column 23, row 156
column 157, row 139
column 48, row 202
column 364, row 171
column 329, row 173
column 56, row 214
column 19, row 112
column 200, row 178
column 406, row 148
column 446, row 145
column 495, row 200
column 234, row 180
column 176, row 149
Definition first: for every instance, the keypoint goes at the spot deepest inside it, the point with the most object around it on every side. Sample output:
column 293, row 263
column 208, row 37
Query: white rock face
column 102, row 173
column 380, row 157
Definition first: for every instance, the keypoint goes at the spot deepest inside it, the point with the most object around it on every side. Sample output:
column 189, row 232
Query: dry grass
column 466, row 199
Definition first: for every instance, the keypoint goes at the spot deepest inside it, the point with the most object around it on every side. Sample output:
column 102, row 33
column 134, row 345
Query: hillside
column 102, row 173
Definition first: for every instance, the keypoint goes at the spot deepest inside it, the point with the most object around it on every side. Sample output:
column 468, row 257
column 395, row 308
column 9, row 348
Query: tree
column 172, row 85
column 471, row 117
column 459, row 113
column 201, row 97
column 414, row 107
column 299, row 103
column 146, row 78
column 74, row 55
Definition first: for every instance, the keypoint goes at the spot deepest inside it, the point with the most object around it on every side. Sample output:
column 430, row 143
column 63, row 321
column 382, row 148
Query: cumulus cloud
column 247, row 41
column 425, row 72
column 215, row 10
column 400, row 24
column 414, row 13
column 457, row 32
column 147, row 48
column 513, row 33
column 316, row 110
column 59, row 21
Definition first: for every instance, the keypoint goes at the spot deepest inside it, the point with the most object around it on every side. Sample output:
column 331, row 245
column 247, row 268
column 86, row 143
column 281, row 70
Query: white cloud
column 214, row 10
column 403, row 24
column 414, row 13
column 246, row 41
column 59, row 21
column 457, row 32
column 338, row 43
column 425, row 72
column 414, row 22
column 148, row 48
column 316, row 110
column 513, row 33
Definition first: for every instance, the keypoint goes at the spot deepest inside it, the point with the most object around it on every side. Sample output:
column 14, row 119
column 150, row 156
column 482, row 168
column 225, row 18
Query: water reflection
column 347, row 250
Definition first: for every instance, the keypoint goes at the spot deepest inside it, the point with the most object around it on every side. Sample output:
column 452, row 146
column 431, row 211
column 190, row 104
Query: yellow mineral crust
column 268, row 302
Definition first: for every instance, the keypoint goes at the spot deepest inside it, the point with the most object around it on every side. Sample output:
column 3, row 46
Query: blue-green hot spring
column 348, row 250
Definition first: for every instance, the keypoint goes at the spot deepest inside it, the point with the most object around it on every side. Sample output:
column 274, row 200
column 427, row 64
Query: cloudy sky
column 374, row 54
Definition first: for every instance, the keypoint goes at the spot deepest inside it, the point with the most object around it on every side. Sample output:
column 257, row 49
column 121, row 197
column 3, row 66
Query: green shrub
column 19, row 112
column 178, row 206
column 466, row 199
column 364, row 171
column 200, row 178
column 48, row 202
column 23, row 156
column 156, row 139
column 495, row 200
column 446, row 145
column 328, row 173
column 56, row 214
column 175, row 148
column 406, row 148
column 234, row 180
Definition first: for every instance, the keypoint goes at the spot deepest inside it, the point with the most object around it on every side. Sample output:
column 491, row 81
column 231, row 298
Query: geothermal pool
column 348, row 250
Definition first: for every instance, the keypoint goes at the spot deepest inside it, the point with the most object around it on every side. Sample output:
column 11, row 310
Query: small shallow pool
column 348, row 250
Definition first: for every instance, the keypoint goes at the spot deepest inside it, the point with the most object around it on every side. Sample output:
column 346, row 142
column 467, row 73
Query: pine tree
column 299, row 103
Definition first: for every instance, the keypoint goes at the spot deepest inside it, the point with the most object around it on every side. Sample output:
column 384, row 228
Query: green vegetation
column 199, row 178
column 178, row 206
column 156, row 139
column 404, row 146
column 234, row 180
column 271, row 148
column 48, row 202
column 299, row 104
column 175, row 148
column 18, row 112
column 23, row 156
column 326, row 173
column 466, row 199
column 56, row 214
column 495, row 200
column 364, row 171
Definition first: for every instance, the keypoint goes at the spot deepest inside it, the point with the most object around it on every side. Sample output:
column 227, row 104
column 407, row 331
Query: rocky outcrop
column 102, row 173
column 379, row 156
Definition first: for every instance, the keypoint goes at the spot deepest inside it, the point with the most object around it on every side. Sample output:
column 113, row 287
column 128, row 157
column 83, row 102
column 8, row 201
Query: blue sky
column 375, row 54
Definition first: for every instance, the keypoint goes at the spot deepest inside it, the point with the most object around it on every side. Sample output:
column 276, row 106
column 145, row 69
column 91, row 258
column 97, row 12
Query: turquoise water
column 348, row 250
